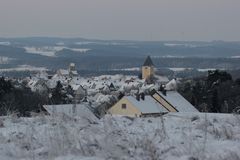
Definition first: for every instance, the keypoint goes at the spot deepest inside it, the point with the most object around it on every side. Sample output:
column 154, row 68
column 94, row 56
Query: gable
column 130, row 109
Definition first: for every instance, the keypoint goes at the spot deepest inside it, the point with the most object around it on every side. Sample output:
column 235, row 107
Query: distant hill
column 93, row 54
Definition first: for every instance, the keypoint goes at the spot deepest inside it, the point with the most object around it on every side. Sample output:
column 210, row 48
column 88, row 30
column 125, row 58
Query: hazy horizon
column 141, row 20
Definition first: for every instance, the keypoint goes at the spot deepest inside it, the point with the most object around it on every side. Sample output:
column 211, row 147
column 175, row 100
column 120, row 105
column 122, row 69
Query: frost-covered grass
column 172, row 136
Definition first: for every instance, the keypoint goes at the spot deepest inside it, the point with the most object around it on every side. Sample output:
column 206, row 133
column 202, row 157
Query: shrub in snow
column 221, row 132
column 1, row 123
column 194, row 118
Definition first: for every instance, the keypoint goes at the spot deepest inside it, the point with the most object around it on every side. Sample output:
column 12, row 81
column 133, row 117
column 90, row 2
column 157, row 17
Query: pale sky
column 122, row 19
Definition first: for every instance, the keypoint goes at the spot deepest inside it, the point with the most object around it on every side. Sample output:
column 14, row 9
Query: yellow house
column 136, row 107
column 155, row 104
column 147, row 69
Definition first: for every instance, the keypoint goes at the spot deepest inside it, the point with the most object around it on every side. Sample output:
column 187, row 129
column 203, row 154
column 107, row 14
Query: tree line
column 18, row 98
column 217, row 92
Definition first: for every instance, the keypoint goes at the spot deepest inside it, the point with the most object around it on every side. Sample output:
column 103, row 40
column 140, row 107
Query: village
column 66, row 116
column 134, row 96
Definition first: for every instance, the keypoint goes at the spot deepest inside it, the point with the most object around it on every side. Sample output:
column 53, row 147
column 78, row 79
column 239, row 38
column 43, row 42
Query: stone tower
column 71, row 67
column 147, row 68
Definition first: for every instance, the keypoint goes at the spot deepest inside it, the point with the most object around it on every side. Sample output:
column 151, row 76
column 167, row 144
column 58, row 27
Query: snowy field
column 21, row 68
column 173, row 136
column 235, row 57
column 103, row 43
column 198, row 69
column 5, row 60
column 5, row 43
column 181, row 45
column 50, row 51
column 128, row 69
column 180, row 69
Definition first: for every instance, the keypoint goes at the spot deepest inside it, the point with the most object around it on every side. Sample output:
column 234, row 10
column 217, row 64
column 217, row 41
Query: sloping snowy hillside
column 172, row 136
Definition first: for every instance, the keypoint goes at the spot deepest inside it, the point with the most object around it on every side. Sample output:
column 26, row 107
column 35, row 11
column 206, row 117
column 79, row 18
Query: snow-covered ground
column 45, row 51
column 60, row 44
column 23, row 68
column 128, row 69
column 51, row 50
column 103, row 43
column 5, row 60
column 209, row 69
column 198, row 69
column 235, row 57
column 5, row 43
column 168, row 56
column 179, row 69
column 180, row 44
column 170, row 137
column 82, row 50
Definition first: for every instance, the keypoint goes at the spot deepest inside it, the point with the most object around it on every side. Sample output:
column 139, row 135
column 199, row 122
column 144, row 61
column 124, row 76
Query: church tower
column 147, row 68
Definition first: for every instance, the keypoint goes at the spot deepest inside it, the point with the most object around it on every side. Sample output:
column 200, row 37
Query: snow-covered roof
column 178, row 101
column 63, row 71
column 162, row 79
column 75, row 86
column 103, row 98
column 148, row 105
column 72, row 64
column 74, row 72
column 172, row 85
column 68, row 109
column 51, row 84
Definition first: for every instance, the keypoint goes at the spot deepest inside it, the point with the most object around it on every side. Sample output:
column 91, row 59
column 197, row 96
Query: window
column 124, row 106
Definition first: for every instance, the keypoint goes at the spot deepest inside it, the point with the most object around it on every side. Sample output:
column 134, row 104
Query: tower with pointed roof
column 147, row 68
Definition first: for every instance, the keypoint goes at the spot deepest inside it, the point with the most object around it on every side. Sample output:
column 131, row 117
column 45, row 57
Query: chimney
column 152, row 92
column 161, row 88
column 143, row 96
column 164, row 92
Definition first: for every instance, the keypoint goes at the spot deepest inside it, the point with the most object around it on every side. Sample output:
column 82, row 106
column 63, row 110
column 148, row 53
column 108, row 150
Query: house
column 173, row 101
column 147, row 69
column 155, row 104
column 112, row 87
column 71, row 72
column 38, row 85
column 79, row 92
column 138, row 106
